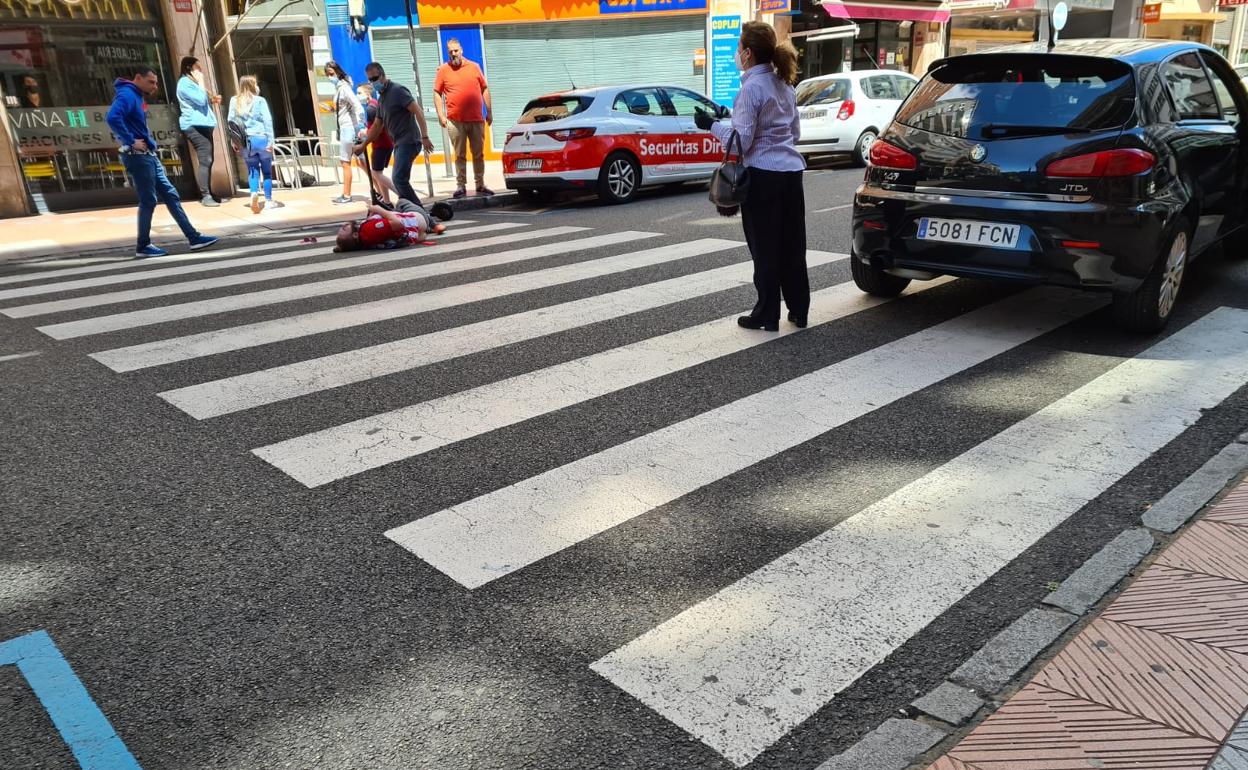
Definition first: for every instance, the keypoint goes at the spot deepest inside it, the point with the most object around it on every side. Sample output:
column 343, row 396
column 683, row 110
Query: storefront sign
column 774, row 6
column 725, row 77
column 608, row 7
column 184, row 6
column 456, row 12
column 43, row 131
column 1231, row 3
column 111, row 54
column 1151, row 13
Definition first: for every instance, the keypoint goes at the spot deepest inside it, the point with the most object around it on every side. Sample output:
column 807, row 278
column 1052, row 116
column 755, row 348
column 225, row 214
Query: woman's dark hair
column 338, row 71
column 187, row 65
column 760, row 39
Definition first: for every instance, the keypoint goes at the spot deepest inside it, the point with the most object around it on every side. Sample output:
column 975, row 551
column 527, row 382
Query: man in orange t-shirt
column 463, row 102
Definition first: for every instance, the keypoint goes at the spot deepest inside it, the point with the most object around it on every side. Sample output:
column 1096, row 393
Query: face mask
column 737, row 58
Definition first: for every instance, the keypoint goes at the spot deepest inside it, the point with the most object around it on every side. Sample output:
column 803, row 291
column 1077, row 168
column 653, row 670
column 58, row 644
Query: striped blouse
column 764, row 114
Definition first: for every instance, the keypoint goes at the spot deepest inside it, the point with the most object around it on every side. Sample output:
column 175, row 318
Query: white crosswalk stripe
column 496, row 534
column 335, row 453
column 784, row 640
column 247, row 391
column 168, row 312
column 265, row 332
column 260, row 254
column 762, row 654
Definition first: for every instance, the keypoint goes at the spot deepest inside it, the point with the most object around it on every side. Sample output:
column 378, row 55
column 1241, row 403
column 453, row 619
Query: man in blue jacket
column 147, row 174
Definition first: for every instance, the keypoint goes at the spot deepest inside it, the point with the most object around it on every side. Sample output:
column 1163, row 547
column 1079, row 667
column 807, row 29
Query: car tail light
column 1100, row 164
column 569, row 134
column 885, row 155
column 847, row 110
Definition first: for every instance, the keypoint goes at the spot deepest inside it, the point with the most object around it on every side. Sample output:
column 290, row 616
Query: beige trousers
column 463, row 134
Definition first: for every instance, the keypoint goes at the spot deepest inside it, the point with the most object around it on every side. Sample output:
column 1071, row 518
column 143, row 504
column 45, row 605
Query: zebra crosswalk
column 749, row 662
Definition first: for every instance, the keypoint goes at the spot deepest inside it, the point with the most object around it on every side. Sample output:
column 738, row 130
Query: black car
column 1099, row 164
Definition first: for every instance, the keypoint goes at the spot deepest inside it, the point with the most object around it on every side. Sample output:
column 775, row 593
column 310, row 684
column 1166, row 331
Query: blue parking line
column 84, row 728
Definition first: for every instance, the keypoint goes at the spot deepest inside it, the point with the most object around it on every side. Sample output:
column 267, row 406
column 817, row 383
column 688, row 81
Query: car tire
column 620, row 178
column 875, row 281
column 1147, row 309
column 862, row 147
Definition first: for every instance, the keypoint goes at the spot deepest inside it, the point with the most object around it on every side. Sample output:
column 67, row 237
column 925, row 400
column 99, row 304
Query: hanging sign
column 1152, row 13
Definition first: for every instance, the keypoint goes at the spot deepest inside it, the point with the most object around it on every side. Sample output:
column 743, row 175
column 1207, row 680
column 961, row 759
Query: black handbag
column 731, row 181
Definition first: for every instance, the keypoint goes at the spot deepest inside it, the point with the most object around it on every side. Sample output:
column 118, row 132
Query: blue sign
column 85, row 730
column 725, row 77
column 649, row 6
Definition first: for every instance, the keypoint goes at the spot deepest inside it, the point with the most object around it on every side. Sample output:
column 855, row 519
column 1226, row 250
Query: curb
column 108, row 248
column 941, row 716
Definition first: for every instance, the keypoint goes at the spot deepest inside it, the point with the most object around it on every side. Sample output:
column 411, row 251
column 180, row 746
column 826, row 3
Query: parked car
column 845, row 113
column 612, row 140
column 1103, row 164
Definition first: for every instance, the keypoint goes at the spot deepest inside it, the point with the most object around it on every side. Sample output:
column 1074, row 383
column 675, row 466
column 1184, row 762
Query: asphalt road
column 223, row 615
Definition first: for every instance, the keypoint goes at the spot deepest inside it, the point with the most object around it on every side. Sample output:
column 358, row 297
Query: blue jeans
column 260, row 163
column 404, row 154
column 147, row 175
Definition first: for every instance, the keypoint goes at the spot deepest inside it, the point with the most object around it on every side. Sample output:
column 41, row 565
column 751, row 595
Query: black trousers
column 774, row 218
column 200, row 138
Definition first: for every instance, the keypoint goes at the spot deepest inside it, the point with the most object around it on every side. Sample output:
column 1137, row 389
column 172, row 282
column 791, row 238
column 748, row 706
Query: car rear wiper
column 1015, row 129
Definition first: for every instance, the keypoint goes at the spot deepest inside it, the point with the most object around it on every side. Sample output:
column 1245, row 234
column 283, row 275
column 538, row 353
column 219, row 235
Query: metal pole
column 420, row 105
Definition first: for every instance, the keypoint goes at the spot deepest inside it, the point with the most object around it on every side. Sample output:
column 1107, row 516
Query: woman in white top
column 351, row 123
column 251, row 110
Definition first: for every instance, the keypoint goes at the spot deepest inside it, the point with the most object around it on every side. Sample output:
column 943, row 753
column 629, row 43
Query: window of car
column 879, row 87
column 550, row 108
column 1189, row 87
column 904, row 85
column 1222, row 85
column 639, row 101
column 995, row 96
column 686, row 103
column 814, row 92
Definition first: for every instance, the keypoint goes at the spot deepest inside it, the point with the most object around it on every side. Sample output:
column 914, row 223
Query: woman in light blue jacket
column 251, row 109
column 198, row 121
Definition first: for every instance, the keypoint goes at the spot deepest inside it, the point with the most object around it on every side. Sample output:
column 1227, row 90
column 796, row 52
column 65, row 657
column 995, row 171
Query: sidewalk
column 1158, row 680
column 75, row 233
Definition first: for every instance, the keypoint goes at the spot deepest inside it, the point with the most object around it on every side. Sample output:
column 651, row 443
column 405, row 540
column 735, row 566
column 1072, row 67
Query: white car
column 844, row 113
column 613, row 141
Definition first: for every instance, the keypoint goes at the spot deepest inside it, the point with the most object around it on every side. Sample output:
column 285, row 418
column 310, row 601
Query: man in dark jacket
column 128, row 121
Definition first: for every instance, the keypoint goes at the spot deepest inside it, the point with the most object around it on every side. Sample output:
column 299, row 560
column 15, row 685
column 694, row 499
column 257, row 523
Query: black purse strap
column 733, row 138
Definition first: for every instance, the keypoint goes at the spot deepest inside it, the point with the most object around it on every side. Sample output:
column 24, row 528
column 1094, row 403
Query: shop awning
column 272, row 15
column 897, row 11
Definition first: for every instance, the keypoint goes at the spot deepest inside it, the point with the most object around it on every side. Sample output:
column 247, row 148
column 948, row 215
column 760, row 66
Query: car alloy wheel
column 862, row 152
column 621, row 178
column 1172, row 275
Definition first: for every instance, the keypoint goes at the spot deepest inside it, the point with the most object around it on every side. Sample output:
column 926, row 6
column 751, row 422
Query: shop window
column 57, row 75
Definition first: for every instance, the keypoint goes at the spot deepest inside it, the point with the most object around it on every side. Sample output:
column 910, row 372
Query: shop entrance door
column 279, row 63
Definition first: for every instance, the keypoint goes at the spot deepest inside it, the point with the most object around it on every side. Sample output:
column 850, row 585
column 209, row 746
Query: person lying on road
column 385, row 229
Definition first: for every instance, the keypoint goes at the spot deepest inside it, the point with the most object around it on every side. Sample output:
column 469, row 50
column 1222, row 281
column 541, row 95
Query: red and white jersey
column 568, row 136
column 377, row 233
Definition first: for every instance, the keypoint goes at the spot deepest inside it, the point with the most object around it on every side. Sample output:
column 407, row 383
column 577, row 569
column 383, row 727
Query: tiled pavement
column 1158, row 682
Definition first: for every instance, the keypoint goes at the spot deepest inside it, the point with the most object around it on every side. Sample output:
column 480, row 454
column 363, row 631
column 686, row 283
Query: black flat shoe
column 798, row 320
column 750, row 322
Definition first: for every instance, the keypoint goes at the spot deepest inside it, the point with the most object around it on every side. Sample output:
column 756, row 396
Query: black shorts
column 381, row 157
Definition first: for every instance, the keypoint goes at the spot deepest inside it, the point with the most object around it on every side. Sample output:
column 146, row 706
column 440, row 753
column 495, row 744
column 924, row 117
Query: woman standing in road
column 198, row 121
column 773, row 215
column 350, row 115
column 252, row 110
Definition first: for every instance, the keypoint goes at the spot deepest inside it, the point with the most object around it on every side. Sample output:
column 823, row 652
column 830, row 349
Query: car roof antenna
column 566, row 71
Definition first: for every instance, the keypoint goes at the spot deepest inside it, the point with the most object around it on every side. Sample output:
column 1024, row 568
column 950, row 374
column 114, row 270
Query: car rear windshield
column 822, row 92
column 551, row 108
column 1002, row 96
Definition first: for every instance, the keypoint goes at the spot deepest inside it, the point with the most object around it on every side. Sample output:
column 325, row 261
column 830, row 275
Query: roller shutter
column 528, row 60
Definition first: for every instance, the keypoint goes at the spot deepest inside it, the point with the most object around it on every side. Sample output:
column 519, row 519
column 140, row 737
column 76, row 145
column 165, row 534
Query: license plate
column 812, row 114
column 529, row 164
column 990, row 234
